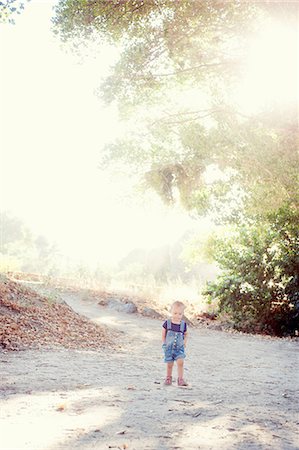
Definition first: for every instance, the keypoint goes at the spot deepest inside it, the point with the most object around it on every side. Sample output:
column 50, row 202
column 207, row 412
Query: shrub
column 259, row 284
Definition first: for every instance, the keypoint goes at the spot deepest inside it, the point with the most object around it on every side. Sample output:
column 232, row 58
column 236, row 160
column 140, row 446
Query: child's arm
column 163, row 335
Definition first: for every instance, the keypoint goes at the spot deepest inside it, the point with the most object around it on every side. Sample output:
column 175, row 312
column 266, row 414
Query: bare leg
column 180, row 363
column 181, row 381
column 169, row 369
column 168, row 379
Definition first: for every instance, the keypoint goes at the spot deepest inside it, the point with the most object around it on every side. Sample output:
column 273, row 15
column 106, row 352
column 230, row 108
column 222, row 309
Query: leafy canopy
column 172, row 51
column 162, row 41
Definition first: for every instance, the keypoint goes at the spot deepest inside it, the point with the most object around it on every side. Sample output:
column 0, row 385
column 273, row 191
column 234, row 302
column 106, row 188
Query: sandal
column 168, row 381
column 182, row 382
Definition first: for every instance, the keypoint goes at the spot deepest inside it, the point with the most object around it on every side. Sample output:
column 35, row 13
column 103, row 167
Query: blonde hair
column 178, row 304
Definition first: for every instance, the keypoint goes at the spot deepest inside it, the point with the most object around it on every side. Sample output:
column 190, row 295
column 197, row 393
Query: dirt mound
column 30, row 320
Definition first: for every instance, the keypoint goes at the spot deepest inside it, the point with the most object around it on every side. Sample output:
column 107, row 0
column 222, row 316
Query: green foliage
column 258, row 164
column 163, row 44
column 174, row 33
column 259, row 285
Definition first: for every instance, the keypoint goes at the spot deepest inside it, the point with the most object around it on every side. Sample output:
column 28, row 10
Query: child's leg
column 181, row 381
column 169, row 369
column 180, row 363
column 168, row 379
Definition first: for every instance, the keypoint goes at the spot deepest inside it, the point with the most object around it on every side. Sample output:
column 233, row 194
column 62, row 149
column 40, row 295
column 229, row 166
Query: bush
column 259, row 284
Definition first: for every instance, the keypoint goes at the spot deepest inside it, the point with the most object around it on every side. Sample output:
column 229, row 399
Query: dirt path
column 242, row 396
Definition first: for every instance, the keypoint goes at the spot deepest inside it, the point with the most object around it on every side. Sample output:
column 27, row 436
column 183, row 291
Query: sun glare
column 271, row 74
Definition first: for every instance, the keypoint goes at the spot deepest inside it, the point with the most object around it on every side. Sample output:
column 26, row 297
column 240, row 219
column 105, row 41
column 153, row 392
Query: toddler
column 174, row 338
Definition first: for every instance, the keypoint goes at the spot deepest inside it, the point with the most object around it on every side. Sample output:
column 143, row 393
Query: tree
column 168, row 48
column 162, row 42
column 165, row 42
column 258, row 163
column 170, row 52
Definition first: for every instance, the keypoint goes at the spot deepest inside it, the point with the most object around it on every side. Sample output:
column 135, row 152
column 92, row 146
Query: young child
column 174, row 338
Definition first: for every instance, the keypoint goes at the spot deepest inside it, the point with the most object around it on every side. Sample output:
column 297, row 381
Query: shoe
column 182, row 382
column 168, row 381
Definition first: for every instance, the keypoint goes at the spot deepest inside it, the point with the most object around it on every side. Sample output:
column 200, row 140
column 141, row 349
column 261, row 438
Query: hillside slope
column 30, row 320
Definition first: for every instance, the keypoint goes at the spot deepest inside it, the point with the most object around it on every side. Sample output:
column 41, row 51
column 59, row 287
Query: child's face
column 177, row 314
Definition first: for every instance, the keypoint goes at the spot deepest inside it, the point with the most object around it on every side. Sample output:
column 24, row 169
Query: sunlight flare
column 271, row 76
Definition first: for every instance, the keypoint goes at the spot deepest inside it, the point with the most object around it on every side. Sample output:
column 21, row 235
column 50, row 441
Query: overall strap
column 168, row 324
column 182, row 326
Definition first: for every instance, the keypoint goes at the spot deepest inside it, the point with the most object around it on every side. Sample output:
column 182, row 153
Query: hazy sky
column 53, row 128
column 52, row 131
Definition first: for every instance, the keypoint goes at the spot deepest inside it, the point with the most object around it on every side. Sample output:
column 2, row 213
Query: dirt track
column 243, row 393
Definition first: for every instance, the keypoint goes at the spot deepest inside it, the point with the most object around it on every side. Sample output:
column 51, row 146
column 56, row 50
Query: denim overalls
column 174, row 344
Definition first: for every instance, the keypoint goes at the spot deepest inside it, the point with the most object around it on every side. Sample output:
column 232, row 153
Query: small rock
column 150, row 312
column 129, row 308
column 117, row 305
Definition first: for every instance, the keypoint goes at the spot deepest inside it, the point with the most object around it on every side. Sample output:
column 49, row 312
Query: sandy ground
column 242, row 394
